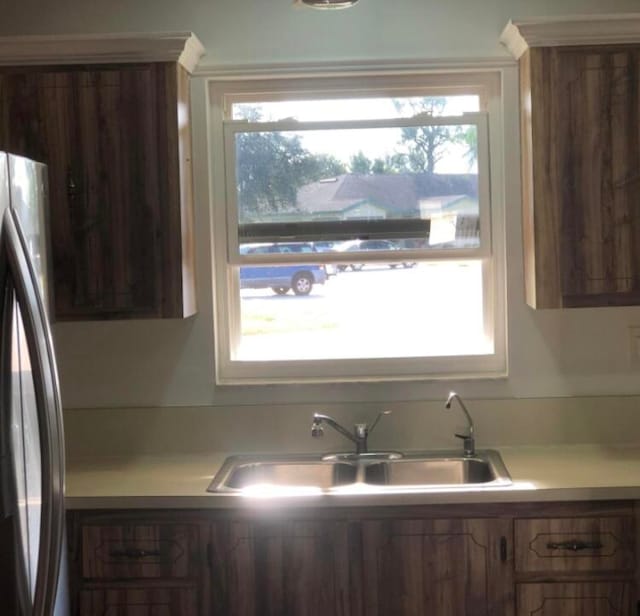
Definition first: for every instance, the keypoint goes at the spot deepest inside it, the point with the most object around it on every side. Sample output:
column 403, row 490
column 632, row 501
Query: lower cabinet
column 299, row 567
column 576, row 566
column 146, row 563
column 140, row 601
column 544, row 559
column 443, row 567
column 575, row 599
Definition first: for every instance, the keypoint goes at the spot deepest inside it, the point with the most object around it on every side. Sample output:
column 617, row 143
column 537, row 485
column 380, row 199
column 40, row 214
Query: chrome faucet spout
column 317, row 430
column 468, row 439
column 359, row 436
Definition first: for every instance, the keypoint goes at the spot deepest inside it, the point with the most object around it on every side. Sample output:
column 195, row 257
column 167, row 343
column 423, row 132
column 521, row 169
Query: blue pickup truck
column 282, row 278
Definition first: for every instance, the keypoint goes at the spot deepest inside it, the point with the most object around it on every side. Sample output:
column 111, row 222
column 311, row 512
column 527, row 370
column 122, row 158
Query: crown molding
column 181, row 47
column 520, row 35
column 351, row 69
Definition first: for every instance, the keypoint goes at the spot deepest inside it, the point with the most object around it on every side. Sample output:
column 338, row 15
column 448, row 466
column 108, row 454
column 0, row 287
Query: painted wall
column 170, row 363
column 251, row 31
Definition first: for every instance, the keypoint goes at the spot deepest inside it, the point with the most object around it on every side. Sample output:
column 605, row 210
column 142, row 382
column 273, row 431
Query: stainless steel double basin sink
column 369, row 472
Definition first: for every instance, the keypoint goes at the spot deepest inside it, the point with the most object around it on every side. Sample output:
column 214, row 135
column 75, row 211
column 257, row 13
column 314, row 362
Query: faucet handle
column 377, row 419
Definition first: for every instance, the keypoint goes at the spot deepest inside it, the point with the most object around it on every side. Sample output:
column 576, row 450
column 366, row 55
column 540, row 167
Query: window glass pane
column 428, row 309
column 354, row 108
column 424, row 173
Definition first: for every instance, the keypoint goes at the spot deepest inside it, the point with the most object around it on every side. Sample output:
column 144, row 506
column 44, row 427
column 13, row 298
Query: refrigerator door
column 28, row 185
column 24, row 435
column 29, row 381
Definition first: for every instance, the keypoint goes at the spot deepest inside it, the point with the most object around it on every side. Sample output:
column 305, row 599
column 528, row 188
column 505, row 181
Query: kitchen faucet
column 359, row 436
column 468, row 439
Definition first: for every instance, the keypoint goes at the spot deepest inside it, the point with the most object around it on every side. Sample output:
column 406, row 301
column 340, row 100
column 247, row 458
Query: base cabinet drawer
column 566, row 545
column 143, row 601
column 138, row 551
column 575, row 599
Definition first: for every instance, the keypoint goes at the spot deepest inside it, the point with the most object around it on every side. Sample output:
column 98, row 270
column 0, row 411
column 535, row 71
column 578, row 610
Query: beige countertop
column 579, row 472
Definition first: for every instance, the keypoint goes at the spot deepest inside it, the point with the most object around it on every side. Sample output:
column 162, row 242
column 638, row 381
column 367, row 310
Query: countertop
column 566, row 473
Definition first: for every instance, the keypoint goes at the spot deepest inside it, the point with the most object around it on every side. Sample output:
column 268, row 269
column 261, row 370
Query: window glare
column 426, row 309
column 355, row 108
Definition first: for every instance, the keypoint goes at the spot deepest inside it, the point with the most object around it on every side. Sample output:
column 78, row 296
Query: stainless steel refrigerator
column 31, row 432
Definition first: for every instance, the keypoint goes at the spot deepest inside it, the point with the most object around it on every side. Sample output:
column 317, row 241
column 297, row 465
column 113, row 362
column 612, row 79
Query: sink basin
column 485, row 468
column 385, row 471
column 300, row 472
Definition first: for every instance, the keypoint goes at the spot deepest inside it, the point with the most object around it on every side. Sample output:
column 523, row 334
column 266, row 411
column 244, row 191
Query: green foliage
column 426, row 145
column 271, row 167
column 359, row 163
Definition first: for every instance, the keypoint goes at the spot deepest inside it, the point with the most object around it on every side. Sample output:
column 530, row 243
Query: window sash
column 364, row 229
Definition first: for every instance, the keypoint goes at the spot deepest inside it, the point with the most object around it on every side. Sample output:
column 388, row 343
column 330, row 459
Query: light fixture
column 328, row 4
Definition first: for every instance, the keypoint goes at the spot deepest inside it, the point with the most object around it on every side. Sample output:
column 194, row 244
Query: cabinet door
column 581, row 109
column 443, row 567
column 575, row 599
column 101, row 135
column 144, row 601
column 117, row 144
column 293, row 568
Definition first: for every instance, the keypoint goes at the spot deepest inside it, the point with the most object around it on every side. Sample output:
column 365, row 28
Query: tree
column 271, row 167
column 359, row 163
column 426, row 145
column 470, row 139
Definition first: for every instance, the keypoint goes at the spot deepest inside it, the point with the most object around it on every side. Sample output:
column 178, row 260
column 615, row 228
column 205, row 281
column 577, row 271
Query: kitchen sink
column 380, row 472
column 433, row 470
column 296, row 474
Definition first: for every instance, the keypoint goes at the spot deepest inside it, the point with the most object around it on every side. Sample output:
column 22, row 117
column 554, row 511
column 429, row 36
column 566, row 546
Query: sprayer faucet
column 359, row 436
column 468, row 439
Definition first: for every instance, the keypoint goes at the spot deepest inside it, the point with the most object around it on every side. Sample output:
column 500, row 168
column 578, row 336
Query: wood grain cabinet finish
column 116, row 140
column 574, row 544
column 443, row 567
column 581, row 156
column 440, row 560
column 575, row 599
column 138, row 601
column 290, row 568
column 139, row 551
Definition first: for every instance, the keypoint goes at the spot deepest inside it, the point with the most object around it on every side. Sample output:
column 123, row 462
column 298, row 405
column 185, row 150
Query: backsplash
column 130, row 432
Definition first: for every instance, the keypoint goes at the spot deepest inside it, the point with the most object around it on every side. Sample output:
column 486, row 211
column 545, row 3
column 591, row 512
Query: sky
column 373, row 142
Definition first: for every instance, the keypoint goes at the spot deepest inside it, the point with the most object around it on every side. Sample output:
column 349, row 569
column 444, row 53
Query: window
column 356, row 233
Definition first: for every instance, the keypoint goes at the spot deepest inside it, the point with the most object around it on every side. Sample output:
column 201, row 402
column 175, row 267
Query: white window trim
column 227, row 315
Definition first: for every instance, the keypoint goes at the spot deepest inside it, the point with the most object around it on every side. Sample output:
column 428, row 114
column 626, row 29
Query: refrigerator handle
column 45, row 377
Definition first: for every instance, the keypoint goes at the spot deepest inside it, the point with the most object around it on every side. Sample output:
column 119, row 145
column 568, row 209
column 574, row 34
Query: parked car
column 282, row 278
column 366, row 245
column 327, row 246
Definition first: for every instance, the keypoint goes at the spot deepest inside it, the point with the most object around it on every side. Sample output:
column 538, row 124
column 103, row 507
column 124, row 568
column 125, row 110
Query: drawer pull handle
column 134, row 554
column 574, row 545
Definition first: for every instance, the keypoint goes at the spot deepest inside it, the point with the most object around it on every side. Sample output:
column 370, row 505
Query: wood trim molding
column 520, row 35
column 181, row 47
column 352, row 69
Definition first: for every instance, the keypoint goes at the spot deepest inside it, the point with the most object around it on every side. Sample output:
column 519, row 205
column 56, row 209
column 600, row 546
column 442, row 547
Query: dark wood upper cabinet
column 580, row 112
column 116, row 139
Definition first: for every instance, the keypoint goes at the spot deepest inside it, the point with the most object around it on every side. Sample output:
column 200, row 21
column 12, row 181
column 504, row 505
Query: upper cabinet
column 110, row 117
column 580, row 113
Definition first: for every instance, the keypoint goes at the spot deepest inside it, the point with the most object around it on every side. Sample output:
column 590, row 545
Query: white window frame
column 224, row 93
